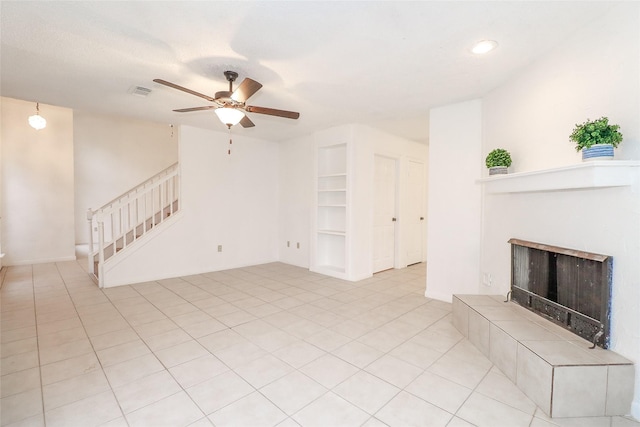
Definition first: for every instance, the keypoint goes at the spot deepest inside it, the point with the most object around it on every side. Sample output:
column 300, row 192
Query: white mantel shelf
column 595, row 174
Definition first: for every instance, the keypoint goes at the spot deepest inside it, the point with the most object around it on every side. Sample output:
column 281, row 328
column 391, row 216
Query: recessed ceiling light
column 484, row 46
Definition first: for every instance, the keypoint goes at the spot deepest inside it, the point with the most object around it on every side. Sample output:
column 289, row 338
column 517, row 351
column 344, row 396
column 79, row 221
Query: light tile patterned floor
column 259, row 346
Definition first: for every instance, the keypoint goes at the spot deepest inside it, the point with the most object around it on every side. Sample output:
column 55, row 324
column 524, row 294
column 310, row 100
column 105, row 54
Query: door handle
column 393, row 219
column 421, row 218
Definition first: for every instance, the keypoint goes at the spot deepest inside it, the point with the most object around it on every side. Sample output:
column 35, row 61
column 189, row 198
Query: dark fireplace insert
column 570, row 287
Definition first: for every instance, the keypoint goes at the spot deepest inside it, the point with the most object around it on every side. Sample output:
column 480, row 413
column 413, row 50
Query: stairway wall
column 112, row 155
column 228, row 200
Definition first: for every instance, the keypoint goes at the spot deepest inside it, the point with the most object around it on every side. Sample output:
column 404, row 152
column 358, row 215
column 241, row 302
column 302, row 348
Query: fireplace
column 570, row 287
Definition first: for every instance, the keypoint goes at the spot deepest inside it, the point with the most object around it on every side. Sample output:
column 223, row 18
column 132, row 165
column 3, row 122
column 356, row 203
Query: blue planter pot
column 598, row 152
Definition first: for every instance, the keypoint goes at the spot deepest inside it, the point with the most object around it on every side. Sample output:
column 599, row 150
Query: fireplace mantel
column 595, row 174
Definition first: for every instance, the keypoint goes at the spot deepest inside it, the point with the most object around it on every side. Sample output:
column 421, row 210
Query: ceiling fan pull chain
column 230, row 141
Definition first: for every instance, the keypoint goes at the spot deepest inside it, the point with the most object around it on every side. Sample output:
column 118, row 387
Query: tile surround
column 554, row 368
column 478, row 331
column 265, row 345
column 503, row 351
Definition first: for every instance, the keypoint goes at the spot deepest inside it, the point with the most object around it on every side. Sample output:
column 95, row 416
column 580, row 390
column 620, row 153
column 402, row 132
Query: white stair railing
column 121, row 222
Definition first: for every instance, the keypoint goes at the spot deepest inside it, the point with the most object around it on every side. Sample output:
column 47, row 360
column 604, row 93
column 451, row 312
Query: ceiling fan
column 230, row 106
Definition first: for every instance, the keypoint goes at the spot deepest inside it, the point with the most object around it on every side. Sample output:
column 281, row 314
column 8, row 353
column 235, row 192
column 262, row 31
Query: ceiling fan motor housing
column 231, row 76
column 224, row 96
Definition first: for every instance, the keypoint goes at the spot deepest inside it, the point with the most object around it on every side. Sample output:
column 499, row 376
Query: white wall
column 112, row 155
column 296, row 198
column 454, row 226
column 37, row 184
column 228, row 200
column 595, row 73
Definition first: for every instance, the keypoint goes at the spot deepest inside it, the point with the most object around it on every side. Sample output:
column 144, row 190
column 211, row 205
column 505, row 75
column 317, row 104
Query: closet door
column 384, row 215
column 415, row 217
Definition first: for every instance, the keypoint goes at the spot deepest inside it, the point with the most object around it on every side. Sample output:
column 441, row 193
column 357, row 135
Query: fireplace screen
column 570, row 287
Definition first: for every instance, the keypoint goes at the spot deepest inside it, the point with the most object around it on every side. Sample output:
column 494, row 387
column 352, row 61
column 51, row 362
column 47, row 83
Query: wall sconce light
column 37, row 121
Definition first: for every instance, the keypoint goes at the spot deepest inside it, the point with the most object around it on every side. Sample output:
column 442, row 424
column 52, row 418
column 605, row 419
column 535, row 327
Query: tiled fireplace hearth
column 552, row 366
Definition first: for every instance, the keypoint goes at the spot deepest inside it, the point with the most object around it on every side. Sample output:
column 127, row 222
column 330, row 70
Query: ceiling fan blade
column 247, row 88
column 186, row 110
column 246, row 122
column 184, row 89
column 273, row 112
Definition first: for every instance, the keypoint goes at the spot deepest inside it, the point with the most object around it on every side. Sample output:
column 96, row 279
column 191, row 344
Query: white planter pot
column 498, row 170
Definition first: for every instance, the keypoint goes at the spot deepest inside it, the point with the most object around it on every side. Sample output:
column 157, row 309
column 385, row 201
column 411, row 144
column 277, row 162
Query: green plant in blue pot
column 596, row 139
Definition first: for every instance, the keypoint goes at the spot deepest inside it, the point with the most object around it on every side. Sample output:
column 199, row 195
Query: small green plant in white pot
column 498, row 161
column 596, row 139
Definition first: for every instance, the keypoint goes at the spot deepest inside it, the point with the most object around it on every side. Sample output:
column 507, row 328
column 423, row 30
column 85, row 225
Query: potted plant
column 596, row 139
column 498, row 161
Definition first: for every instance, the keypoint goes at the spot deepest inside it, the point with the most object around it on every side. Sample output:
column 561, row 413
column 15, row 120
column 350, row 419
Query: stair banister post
column 162, row 198
column 171, row 192
column 144, row 212
column 90, row 253
column 153, row 208
column 101, row 252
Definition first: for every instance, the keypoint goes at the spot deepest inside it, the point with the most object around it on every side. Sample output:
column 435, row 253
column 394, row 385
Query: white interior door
column 384, row 213
column 414, row 219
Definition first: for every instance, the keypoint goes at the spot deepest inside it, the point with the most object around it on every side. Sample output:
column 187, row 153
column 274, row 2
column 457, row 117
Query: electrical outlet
column 298, row 245
column 219, row 248
column 288, row 243
column 486, row 279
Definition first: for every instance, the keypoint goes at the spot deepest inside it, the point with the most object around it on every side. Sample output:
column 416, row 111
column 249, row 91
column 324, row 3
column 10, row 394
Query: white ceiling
column 379, row 63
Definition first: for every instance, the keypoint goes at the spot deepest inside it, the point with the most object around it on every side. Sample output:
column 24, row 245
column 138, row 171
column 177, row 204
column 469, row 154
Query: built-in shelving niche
column 331, row 231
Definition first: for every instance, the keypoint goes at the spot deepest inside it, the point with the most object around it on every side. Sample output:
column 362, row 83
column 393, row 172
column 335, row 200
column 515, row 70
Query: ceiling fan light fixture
column 229, row 116
column 484, row 46
column 230, row 105
column 37, row 121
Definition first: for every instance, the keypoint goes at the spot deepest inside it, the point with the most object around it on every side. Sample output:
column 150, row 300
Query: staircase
column 120, row 223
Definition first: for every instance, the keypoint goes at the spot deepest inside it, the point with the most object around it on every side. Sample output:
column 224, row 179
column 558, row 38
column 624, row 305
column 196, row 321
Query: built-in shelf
column 332, row 175
column 332, row 232
column 595, row 174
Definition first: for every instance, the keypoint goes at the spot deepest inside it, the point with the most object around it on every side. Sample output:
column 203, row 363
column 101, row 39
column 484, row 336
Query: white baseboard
column 9, row 262
column 635, row 408
column 446, row 297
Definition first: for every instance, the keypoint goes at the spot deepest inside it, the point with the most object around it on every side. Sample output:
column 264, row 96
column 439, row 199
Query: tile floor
column 259, row 346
